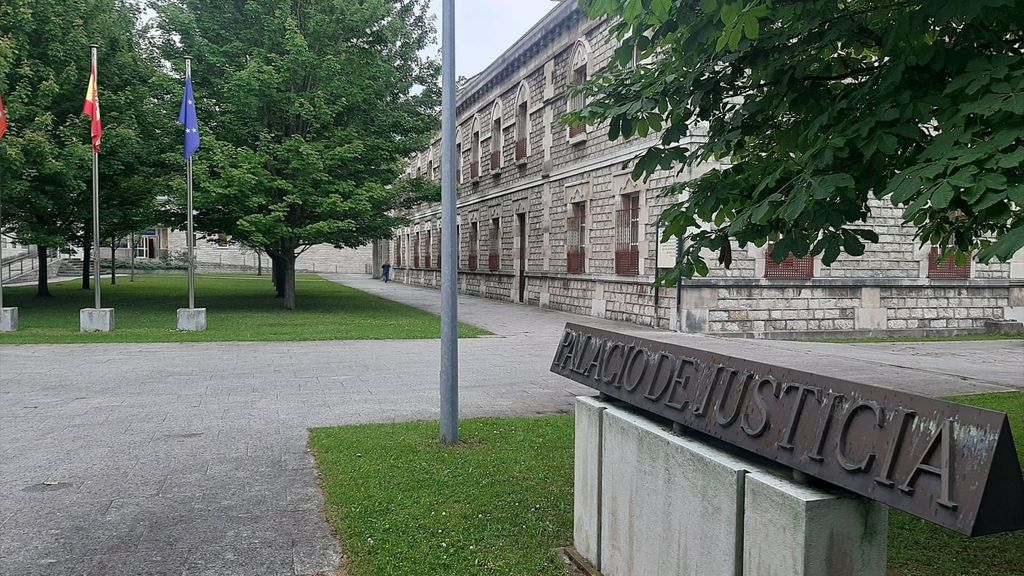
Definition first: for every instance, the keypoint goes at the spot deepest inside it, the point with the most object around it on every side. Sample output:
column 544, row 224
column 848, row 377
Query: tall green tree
column 45, row 158
column 307, row 112
column 819, row 106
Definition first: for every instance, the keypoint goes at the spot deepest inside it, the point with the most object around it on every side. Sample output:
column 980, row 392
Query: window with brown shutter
column 791, row 268
column 474, row 232
column 494, row 257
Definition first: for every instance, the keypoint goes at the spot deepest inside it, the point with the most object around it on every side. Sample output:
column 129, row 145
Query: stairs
column 70, row 267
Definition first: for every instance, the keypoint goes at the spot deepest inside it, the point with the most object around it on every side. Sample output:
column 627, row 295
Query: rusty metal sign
column 951, row 464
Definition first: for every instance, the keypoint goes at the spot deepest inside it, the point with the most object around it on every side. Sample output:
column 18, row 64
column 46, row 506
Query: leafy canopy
column 307, row 112
column 817, row 107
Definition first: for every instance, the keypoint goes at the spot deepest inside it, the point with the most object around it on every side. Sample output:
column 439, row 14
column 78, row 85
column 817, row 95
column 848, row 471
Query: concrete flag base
column 192, row 319
column 96, row 319
column 8, row 319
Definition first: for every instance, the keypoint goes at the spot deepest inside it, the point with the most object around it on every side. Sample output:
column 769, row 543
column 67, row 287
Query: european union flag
column 187, row 117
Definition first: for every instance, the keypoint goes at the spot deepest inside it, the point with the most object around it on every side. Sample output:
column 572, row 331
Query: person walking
column 386, row 268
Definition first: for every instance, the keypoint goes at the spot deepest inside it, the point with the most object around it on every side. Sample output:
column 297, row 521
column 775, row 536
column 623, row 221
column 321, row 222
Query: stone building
column 548, row 216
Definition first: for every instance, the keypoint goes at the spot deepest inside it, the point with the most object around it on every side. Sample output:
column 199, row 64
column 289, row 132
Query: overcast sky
column 486, row 28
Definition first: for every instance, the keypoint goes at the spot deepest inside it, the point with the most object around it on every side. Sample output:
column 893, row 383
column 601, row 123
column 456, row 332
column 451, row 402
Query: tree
column 307, row 113
column 44, row 67
column 818, row 107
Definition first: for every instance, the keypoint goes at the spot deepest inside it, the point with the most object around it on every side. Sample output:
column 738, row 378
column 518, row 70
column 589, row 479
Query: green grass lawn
column 404, row 505
column 917, row 548
column 498, row 505
column 239, row 308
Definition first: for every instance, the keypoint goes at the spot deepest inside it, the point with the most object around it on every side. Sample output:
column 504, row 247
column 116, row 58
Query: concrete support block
column 192, row 319
column 796, row 530
column 96, row 319
column 587, row 480
column 871, row 318
column 669, row 505
column 8, row 319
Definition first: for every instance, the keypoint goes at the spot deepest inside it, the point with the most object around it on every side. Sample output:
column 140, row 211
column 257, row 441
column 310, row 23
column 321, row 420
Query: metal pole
column 449, row 264
column 191, row 231
column 96, row 207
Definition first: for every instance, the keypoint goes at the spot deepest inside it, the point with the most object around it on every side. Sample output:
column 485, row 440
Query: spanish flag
column 92, row 109
column 3, row 118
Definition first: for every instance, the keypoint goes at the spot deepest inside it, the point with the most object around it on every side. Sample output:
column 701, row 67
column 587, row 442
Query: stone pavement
column 190, row 459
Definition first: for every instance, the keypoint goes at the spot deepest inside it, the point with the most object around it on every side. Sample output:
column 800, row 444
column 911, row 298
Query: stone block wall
column 888, row 289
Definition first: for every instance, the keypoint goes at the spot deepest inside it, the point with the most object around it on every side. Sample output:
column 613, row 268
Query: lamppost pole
column 449, row 246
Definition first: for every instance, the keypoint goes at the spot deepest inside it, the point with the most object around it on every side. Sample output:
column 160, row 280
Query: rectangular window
column 627, row 236
column 440, row 248
column 948, row 268
column 416, row 251
column 494, row 256
column 474, row 231
column 398, row 252
column 576, row 239
column 792, row 268
column 428, row 248
column 522, row 130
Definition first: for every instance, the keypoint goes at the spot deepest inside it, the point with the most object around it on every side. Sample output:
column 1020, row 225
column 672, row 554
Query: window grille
column 627, row 237
column 416, row 251
column 792, row 268
column 428, row 248
column 948, row 268
column 576, row 236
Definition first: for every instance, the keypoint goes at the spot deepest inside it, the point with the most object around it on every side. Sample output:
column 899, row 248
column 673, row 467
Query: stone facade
column 549, row 217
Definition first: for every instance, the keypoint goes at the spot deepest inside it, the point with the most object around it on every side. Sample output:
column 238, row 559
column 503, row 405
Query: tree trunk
column 259, row 264
column 288, row 264
column 86, row 253
column 43, row 285
column 113, row 262
column 280, row 276
column 131, row 246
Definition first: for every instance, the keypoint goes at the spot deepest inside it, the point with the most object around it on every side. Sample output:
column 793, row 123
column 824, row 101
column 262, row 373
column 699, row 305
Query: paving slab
column 172, row 459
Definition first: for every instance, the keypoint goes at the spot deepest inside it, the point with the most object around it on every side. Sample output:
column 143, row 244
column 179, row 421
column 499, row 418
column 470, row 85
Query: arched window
column 522, row 122
column 579, row 72
column 474, row 156
column 497, row 138
column 430, row 163
column 458, row 156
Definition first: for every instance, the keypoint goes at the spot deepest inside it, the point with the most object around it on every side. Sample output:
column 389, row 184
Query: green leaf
column 942, row 195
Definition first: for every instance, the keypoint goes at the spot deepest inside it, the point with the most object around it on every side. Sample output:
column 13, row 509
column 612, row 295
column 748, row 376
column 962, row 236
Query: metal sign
column 951, row 464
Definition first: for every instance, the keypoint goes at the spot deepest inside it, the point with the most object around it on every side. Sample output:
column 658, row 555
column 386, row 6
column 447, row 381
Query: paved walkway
column 190, row 459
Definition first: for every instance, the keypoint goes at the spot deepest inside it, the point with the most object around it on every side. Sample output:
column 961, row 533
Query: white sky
column 486, row 28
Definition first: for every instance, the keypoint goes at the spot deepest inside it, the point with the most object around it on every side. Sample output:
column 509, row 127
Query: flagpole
column 450, row 262
column 188, row 193
column 96, row 206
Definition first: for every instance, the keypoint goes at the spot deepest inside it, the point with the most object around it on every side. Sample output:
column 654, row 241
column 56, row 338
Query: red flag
column 92, row 109
column 3, row 118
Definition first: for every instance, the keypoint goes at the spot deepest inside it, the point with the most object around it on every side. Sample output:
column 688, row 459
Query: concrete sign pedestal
column 96, row 319
column 654, row 503
column 192, row 319
column 8, row 319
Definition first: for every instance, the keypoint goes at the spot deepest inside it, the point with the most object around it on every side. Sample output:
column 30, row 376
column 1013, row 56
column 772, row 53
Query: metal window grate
column 948, row 268
column 627, row 239
column 791, row 268
column 576, row 251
